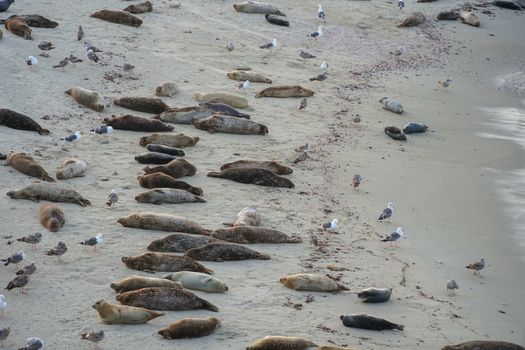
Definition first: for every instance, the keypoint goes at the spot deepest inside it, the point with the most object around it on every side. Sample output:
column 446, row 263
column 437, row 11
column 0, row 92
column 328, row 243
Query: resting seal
column 184, row 115
column 25, row 164
column 161, row 180
column 395, row 133
column 168, row 195
column 176, row 168
column 484, row 345
column 281, row 343
column 222, row 97
column 180, row 243
column 229, row 125
column 163, row 262
column 154, row 158
column 15, row 120
column 51, row 217
column 219, row 251
column 414, row 128
column 38, row 21
column 256, row 176
column 120, row 17
column 224, row 109
column 17, row 26
column 120, row 314
column 134, row 123
column 152, row 147
column 312, row 283
column 162, row 222
column 375, row 295
column 167, row 88
column 190, row 328
column 365, row 321
column 414, row 19
column 142, row 104
column 71, row 168
column 257, row 7
column 51, row 192
column 276, row 167
column 243, row 75
column 252, row 234
column 248, row 216
column 469, row 18
column 198, row 281
column 285, row 91
column 142, row 7
column 86, row 98
column 170, row 140
column 138, row 282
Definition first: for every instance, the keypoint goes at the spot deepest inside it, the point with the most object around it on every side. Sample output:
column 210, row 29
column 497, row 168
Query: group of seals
column 48, row 191
column 231, row 125
column 163, row 262
column 365, row 321
column 142, row 7
column 190, row 328
column 18, row 26
column 311, row 282
column 170, row 140
column 285, row 91
column 256, row 176
column 25, row 164
column 135, row 282
column 162, row 222
column 71, row 168
column 222, row 97
column 122, row 314
column 142, row 104
column 198, row 281
column 86, row 98
column 176, row 168
column 120, row 17
column 134, row 123
column 167, row 195
column 51, row 217
column 15, row 120
column 161, row 180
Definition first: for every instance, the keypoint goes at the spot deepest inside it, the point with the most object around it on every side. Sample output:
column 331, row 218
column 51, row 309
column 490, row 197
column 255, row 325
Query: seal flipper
column 209, row 306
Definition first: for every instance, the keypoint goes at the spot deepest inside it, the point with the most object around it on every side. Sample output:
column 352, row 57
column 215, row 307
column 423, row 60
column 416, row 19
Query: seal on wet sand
column 71, row 168
column 365, row 321
column 285, row 91
column 25, row 164
column 121, row 314
column 253, row 234
column 276, row 167
column 375, row 295
column 135, row 282
column 256, row 176
column 51, row 192
column 281, row 343
column 14, row 120
column 161, row 180
column 154, row 158
column 51, row 217
column 190, row 328
column 176, row 168
column 134, row 123
column 120, row 17
column 168, row 196
column 170, row 140
column 86, row 98
column 142, row 104
column 230, row 125
column 218, row 251
column 180, row 242
column 198, row 281
column 162, row 222
column 311, row 282
column 163, row 262
column 222, row 97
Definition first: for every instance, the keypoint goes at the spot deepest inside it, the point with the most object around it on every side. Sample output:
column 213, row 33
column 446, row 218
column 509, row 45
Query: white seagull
column 320, row 13
column 112, row 198
column 31, row 61
column 244, row 85
column 318, row 33
column 324, row 66
column 387, row 212
column 91, row 55
column 394, row 237
column 272, row 45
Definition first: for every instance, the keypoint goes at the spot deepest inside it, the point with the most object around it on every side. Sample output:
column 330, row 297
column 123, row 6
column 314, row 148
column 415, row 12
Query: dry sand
column 444, row 183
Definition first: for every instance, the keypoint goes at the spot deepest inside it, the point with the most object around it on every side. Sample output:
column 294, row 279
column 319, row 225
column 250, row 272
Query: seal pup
column 242, row 75
column 190, row 328
column 253, row 234
column 93, row 241
column 152, row 147
column 37, row 191
column 14, row 120
column 80, row 33
column 121, row 314
column 197, row 281
column 59, row 250
column 142, row 7
column 138, row 282
column 365, row 321
column 170, row 140
column 154, row 158
column 232, row 100
column 257, row 7
column 51, row 217
column 176, row 168
column 4, row 5
column 285, row 91
column 395, row 133
column 356, row 180
column 184, row 115
column 18, row 282
column 38, row 21
column 255, row 176
column 219, row 251
column 28, row 269
column 33, row 344
column 375, row 295
column 248, row 216
column 25, row 164
column 161, row 180
column 162, row 222
column 274, row 19
column 17, row 26
column 167, row 88
column 134, row 123
column 276, row 167
column 71, row 168
column 180, row 242
column 391, row 105
column 168, row 195
column 4, row 332
column 103, row 129
column 281, row 343
column 15, row 258
column 3, row 306
column 394, row 237
column 120, row 17
column 163, row 262
column 452, row 285
column 142, row 104
column 469, row 18
column 484, row 345
column 32, row 238
column 447, row 15
column 414, row 19
column 311, row 282
column 477, row 266
column 387, row 212
column 94, row 337
column 230, row 125
column 86, row 97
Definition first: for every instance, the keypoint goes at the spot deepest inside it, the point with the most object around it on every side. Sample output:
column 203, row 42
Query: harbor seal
column 469, row 18
column 162, row 222
column 198, row 281
column 451, row 15
column 224, row 109
column 391, row 105
column 414, row 19
column 86, row 98
column 253, row 234
column 161, row 180
column 168, row 195
column 180, row 242
column 14, row 120
column 312, row 283
column 375, row 295
column 484, row 345
column 37, row 191
column 331, row 347
column 170, row 140
column 243, row 75
column 120, row 17
column 176, row 168
column 121, row 314
column 229, row 125
column 163, row 262
column 134, row 123
column 276, row 167
column 167, row 88
column 219, row 251
column 248, row 216
column 17, row 26
column 365, row 321
column 135, row 282
column 142, row 104
column 25, row 164
column 414, row 128
column 184, row 115
column 285, row 91
column 51, row 217
column 71, row 168
column 256, row 176
column 190, row 328
column 152, row 147
column 38, row 21
column 257, row 7
column 142, row 7
column 154, row 158
column 161, row 298
column 274, row 19
column 395, row 133
column 222, row 97
column 281, row 343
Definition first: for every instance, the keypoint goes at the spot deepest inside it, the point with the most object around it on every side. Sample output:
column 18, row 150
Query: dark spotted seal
column 365, row 321
column 395, row 133
column 190, row 328
column 142, row 104
column 161, row 180
column 253, row 234
column 256, row 176
column 15, row 120
column 224, row 252
column 276, row 167
column 221, row 108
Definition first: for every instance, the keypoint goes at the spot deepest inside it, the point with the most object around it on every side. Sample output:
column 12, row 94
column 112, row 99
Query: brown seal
column 167, row 88
column 71, row 168
column 219, row 251
column 86, row 98
column 17, row 26
column 120, row 17
column 242, row 75
column 138, row 282
column 222, row 97
column 161, row 298
column 15, row 120
column 414, row 19
column 134, row 123
column 484, row 345
column 163, row 262
column 276, row 167
column 180, row 243
column 469, row 18
column 190, row 328
column 51, row 217
column 142, row 104
column 257, row 7
column 253, row 234
column 230, row 125
column 176, row 168
column 285, row 91
column 161, row 180
column 256, row 176
column 168, row 195
column 121, row 314
column 38, row 21
column 25, row 164
column 311, row 282
column 50, row 192
column 154, row 158
column 281, row 343
column 162, row 222
column 142, row 7
column 170, row 140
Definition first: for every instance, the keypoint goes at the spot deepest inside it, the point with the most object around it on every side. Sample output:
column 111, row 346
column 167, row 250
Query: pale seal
column 281, row 343
column 71, row 168
column 168, row 196
column 121, row 314
column 161, row 298
column 135, row 282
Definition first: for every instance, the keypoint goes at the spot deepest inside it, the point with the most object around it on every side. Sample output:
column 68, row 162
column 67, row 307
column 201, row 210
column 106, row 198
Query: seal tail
column 44, row 132
column 295, row 239
column 229, row 224
column 264, row 130
column 279, row 13
column 47, row 178
column 399, row 327
column 341, row 287
column 199, row 199
column 261, row 256
column 209, row 306
column 214, row 174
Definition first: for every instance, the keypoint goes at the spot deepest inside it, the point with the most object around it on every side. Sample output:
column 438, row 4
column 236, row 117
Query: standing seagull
column 112, row 198
column 272, row 45
column 324, row 66
column 15, row 258
column 303, row 104
column 28, row 269
column 31, row 61
column 33, row 344
column 94, row 337
column 320, row 13
column 73, row 137
column 59, row 250
column 477, row 266
column 4, row 333
column 356, row 181
column 3, row 306
column 451, row 286
column 33, row 239
column 330, row 226
column 317, row 34
column 394, row 237
column 93, row 241
column 18, row 282
column 104, row 129
column 387, row 212
column 444, row 83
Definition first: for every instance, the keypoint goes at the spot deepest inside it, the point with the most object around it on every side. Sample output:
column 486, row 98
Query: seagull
column 28, row 269
column 303, row 104
column 451, row 286
column 15, row 258
column 92, row 56
column 93, row 241
column 444, row 83
column 33, row 239
column 302, row 148
column 73, row 137
column 477, row 266
column 398, row 52
column 88, row 47
column 244, row 85
column 324, row 66
column 45, row 45
column 320, row 13
column 317, row 34
column 3, row 306
column 94, row 337
column 394, row 237
column 356, row 181
column 401, row 4
column 80, row 33
column 59, row 250
column 330, row 226
column 103, row 129
column 302, row 157
column 272, row 45
column 387, row 212
column 74, row 59
column 112, row 198
column 305, row 55
column 4, row 333
column 320, row 77
column 18, row 282
column 62, row 63
column 31, row 61
column 230, row 46
column 33, row 344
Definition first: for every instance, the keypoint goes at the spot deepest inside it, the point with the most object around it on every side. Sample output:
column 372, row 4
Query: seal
column 281, row 343
column 1, row 34
column 51, row 192
column 51, row 217
column 135, row 282
column 365, row 321
column 274, row 19
column 229, row 125
column 414, row 19
column 154, row 158
column 161, row 180
column 25, row 164
column 71, row 168
column 222, row 97
column 180, row 243
column 170, row 140
column 168, row 195
column 248, row 216
column 451, row 15
column 285, row 91
column 484, row 345
column 152, row 147
column 5, row 4
column 176, row 168
column 190, row 328
column 15, row 120
column 312, row 283
column 184, row 115
column 198, row 281
column 219, row 251
column 38, row 21
column 142, row 7
column 221, row 108
column 86, row 98
column 276, row 167
column 391, row 105
column 17, row 26
column 160, row 298
column 134, row 123
column 120, row 17
column 256, row 176
column 163, row 262
column 142, row 104
column 414, row 128
column 257, row 7
column 252, row 234
column 167, row 88
column 243, row 75
column 395, row 133
column 469, row 18
column 120, row 314
column 162, row 222
column 375, row 295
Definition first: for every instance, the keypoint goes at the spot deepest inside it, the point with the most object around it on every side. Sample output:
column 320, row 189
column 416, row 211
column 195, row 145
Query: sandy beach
column 456, row 188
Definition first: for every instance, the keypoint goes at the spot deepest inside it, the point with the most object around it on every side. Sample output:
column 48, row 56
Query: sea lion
column 86, row 98
column 375, row 295
column 253, row 234
column 229, row 125
column 365, row 321
column 161, row 298
column 190, row 328
column 25, row 164
column 168, row 195
column 162, row 222
column 256, row 176
column 134, row 123
column 71, row 168
column 221, row 108
column 51, row 217
column 391, row 105
column 447, row 15
column 198, row 281
column 414, row 19
column 243, row 75
column 51, row 192
column 274, row 19
column 276, row 167
column 184, row 115
column 38, row 21
column 222, row 97
column 219, row 251
column 176, row 168
column 168, row 88
column 120, row 17
column 154, row 158
column 281, row 343
column 248, row 216
column 121, row 314
column 17, row 26
column 15, row 120
column 311, row 282
column 161, row 180
column 152, row 147
column 163, row 262
column 142, row 7
column 285, row 91
column 135, row 282
column 331, row 347
column 395, row 133
column 414, row 128
column 142, row 104
column 484, row 345
column 469, row 18
column 180, row 243
column 257, row 7
column 170, row 140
